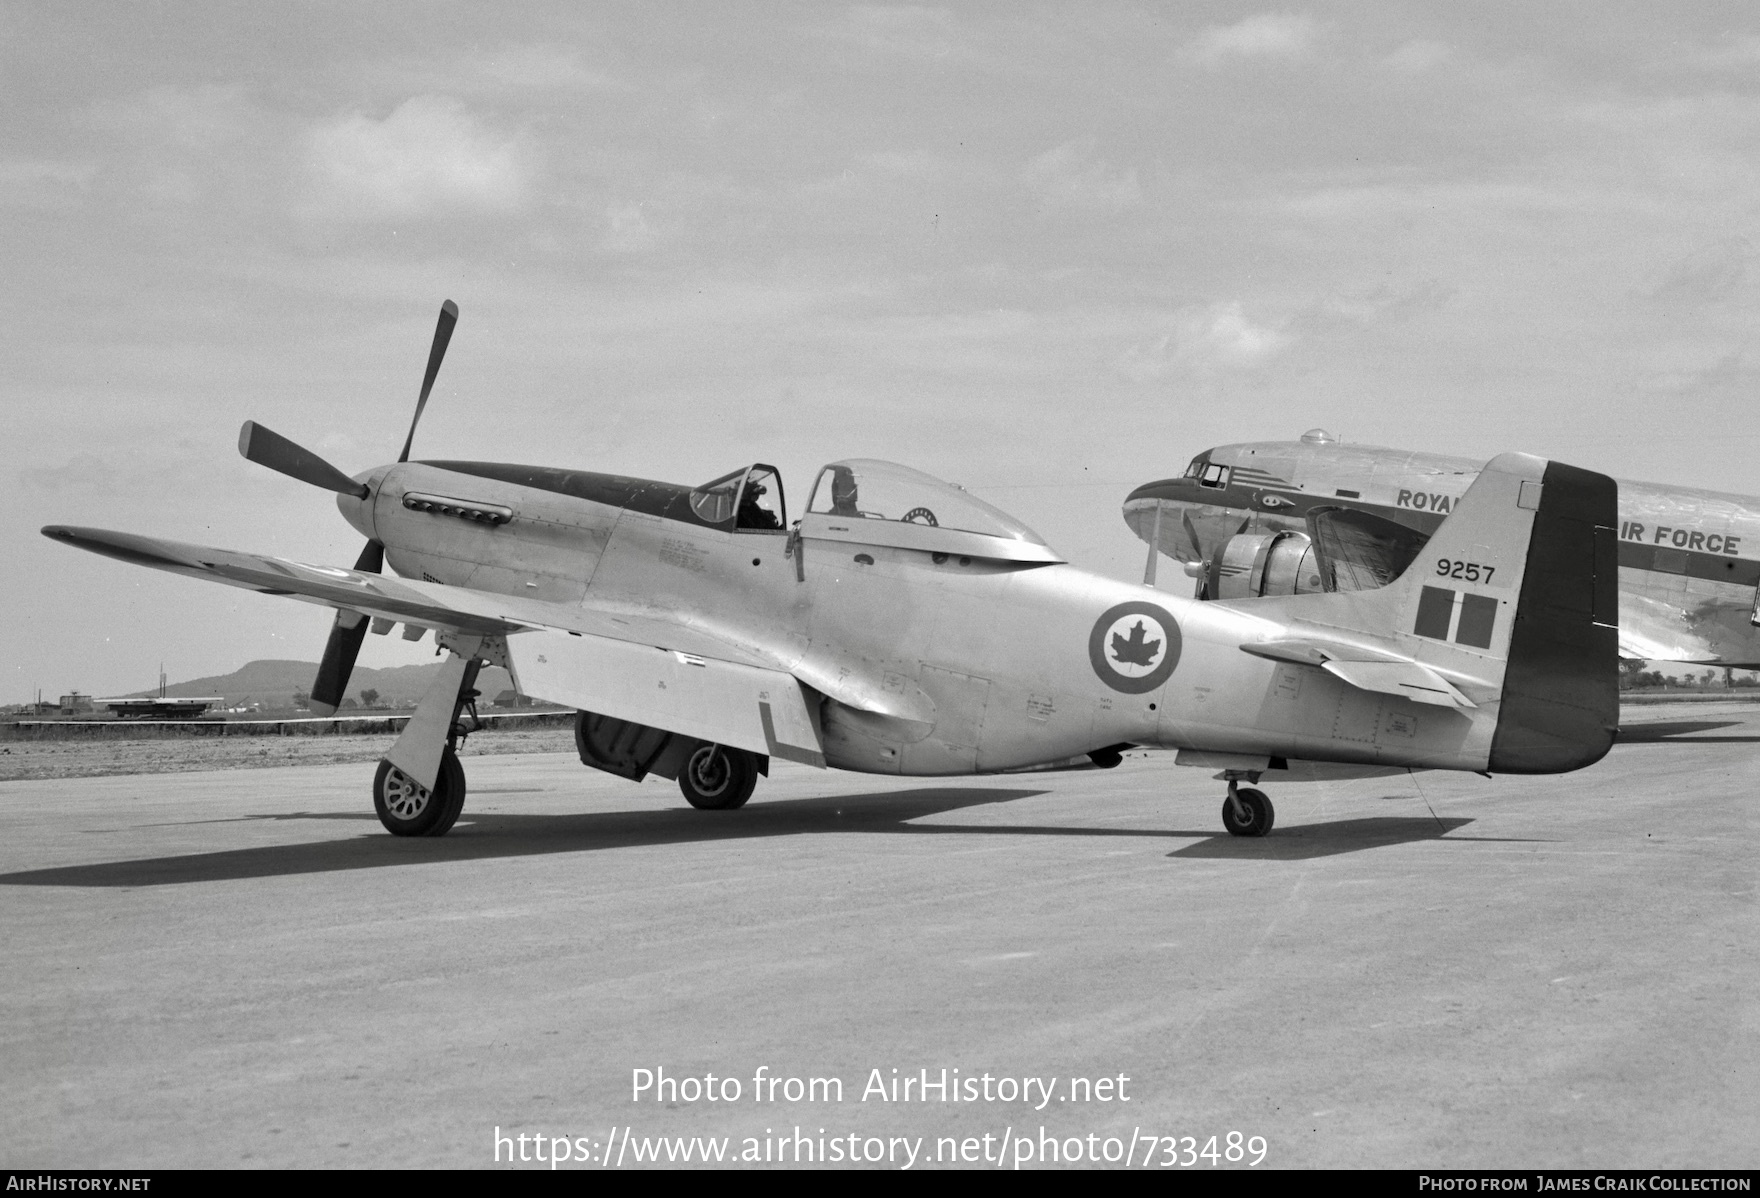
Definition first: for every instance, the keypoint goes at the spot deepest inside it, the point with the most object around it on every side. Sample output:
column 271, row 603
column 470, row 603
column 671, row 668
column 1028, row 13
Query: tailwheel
column 717, row 778
column 407, row 808
column 1247, row 812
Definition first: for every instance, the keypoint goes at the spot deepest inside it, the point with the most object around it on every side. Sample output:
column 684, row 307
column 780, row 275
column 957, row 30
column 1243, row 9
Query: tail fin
column 1541, row 533
column 1518, row 592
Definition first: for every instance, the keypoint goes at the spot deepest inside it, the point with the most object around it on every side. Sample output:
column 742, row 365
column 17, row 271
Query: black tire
column 717, row 778
column 1260, row 814
column 407, row 810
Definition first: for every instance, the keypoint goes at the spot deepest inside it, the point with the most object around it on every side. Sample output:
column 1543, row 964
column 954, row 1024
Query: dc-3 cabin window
column 749, row 500
column 864, row 489
column 1214, row 475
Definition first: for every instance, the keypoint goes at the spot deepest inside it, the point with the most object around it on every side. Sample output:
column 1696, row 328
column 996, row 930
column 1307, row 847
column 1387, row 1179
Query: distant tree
column 369, row 697
column 301, row 700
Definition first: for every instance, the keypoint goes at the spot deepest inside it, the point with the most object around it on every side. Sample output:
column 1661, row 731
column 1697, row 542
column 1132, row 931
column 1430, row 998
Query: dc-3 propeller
column 267, row 447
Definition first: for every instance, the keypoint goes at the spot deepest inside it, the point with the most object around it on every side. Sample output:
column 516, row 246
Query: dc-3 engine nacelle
column 1250, row 565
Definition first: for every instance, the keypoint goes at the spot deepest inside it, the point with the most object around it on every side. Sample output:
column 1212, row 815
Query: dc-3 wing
column 646, row 667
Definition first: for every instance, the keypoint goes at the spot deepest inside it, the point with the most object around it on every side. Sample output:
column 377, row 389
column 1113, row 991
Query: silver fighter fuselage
column 932, row 662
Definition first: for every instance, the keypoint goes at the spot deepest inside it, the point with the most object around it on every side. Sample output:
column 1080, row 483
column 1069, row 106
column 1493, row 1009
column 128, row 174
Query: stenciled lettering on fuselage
column 1425, row 501
column 1134, row 647
column 1690, row 539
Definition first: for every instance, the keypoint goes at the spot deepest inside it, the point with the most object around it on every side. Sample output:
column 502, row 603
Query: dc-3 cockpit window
column 753, row 494
column 865, row 489
column 1214, row 475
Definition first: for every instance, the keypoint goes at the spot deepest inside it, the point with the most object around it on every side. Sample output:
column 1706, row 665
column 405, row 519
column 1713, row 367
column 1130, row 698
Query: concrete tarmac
column 242, row 968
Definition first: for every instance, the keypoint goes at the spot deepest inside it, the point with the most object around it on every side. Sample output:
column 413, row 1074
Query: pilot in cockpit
column 843, row 492
column 751, row 515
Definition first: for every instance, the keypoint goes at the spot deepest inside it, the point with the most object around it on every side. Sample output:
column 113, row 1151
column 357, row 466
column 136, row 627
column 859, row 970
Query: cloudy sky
column 1048, row 251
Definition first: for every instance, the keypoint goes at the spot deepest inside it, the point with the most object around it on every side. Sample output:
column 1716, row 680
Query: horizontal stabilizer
column 1364, row 667
column 1315, row 651
column 1408, row 678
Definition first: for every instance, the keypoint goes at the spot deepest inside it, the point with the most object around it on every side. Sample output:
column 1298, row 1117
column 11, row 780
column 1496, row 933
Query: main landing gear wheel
column 1247, row 812
column 408, row 809
column 717, row 778
column 921, row 515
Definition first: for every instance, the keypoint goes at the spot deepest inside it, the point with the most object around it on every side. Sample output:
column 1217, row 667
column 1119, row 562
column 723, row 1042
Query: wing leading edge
column 632, row 665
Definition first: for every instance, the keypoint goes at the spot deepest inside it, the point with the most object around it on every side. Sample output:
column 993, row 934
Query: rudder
column 1560, row 707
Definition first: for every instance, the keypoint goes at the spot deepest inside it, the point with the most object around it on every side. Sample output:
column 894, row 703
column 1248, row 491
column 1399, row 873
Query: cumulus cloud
column 1206, row 340
column 1067, row 177
column 1710, row 273
column 1268, row 35
column 429, row 155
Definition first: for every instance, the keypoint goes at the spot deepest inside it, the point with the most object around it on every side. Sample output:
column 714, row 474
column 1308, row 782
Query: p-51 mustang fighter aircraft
column 902, row 626
column 1289, row 517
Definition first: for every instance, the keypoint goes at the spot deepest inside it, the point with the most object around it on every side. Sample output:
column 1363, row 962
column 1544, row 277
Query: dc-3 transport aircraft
column 1288, row 517
column 902, row 626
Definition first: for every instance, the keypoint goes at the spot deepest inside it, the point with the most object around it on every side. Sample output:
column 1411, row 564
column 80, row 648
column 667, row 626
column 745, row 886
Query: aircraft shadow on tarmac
column 486, row 835
column 491, row 835
column 1304, row 842
column 1683, row 732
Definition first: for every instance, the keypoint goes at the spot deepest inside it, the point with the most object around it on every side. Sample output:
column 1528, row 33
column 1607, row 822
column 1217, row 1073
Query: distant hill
column 272, row 683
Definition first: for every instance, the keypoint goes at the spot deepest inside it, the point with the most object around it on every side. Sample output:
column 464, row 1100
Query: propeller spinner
column 268, row 448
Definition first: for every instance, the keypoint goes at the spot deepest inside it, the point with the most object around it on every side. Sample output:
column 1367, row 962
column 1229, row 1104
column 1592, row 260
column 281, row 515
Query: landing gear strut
column 1247, row 812
column 403, row 804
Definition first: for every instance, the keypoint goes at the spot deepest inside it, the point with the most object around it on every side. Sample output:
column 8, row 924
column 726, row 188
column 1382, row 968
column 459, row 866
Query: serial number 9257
column 1448, row 567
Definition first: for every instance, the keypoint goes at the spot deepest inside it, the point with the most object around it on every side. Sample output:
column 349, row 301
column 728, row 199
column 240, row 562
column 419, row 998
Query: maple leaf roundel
column 1134, row 647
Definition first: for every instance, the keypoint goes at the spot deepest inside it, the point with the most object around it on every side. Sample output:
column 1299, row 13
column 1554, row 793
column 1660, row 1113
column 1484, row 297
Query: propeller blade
column 442, row 336
column 267, row 447
column 1185, row 519
column 344, row 644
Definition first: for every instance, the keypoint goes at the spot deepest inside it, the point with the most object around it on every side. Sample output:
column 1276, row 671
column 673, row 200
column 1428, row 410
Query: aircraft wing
column 633, row 665
column 435, row 605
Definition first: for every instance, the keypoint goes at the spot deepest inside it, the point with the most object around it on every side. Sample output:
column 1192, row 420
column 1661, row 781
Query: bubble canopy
column 883, row 503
